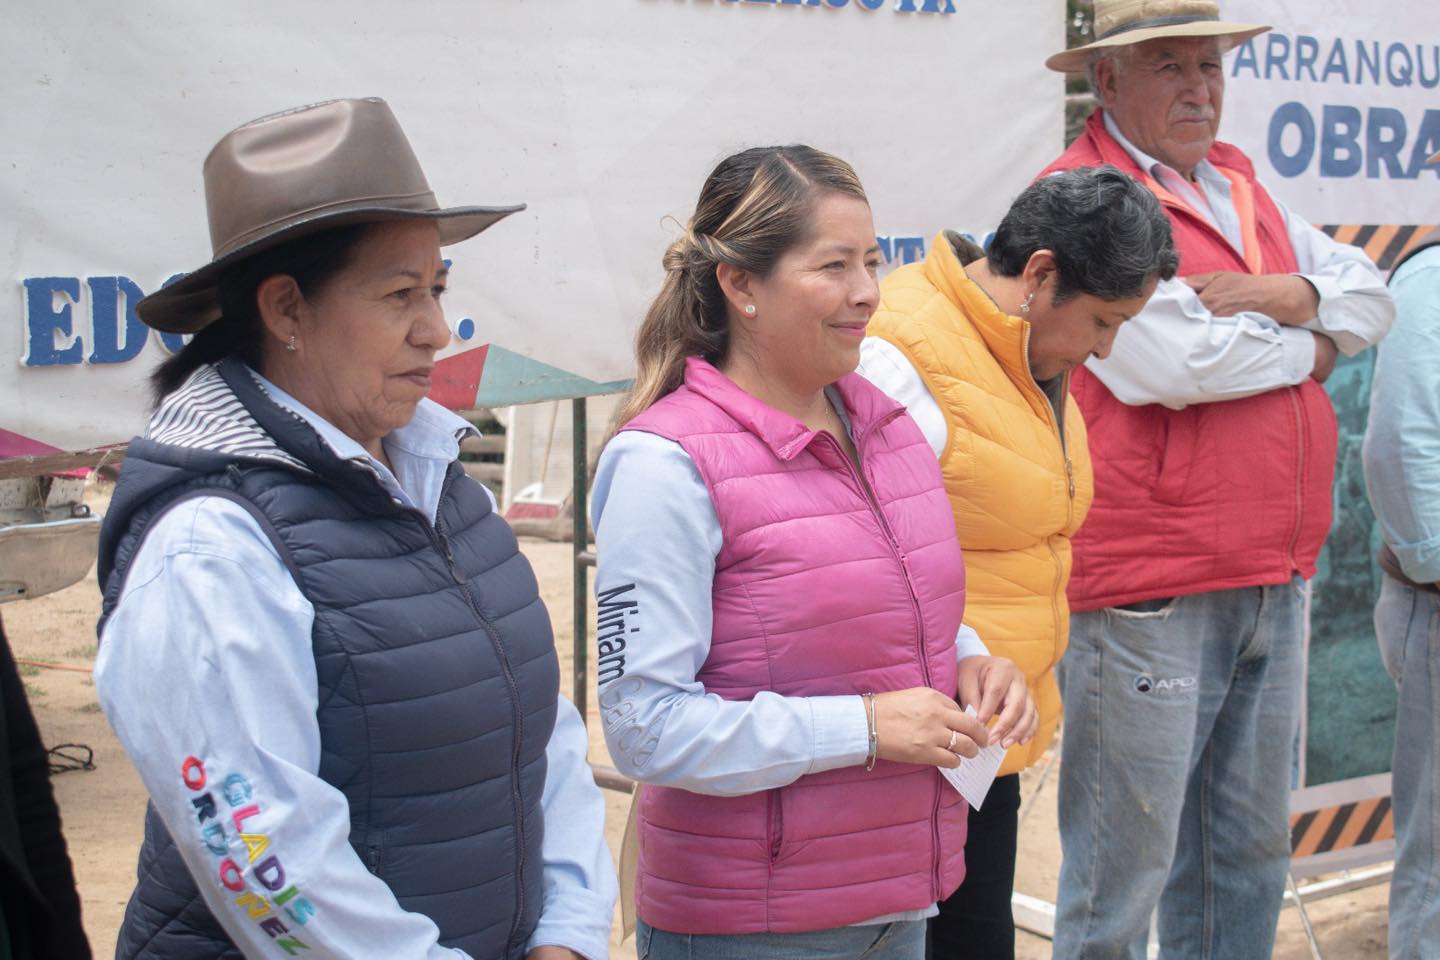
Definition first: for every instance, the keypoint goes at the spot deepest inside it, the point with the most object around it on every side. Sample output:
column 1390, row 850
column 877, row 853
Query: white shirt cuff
column 585, row 927
column 1330, row 316
column 842, row 732
column 1298, row 344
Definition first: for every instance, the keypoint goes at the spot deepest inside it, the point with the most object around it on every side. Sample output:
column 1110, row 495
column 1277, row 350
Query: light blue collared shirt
column 657, row 536
column 420, row 451
column 208, row 654
column 1402, row 440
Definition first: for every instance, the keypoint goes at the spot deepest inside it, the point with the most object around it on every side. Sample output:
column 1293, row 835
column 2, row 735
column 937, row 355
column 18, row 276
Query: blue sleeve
column 1402, row 440
column 657, row 537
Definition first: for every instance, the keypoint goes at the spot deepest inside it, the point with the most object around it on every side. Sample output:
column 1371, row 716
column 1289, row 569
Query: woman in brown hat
column 319, row 642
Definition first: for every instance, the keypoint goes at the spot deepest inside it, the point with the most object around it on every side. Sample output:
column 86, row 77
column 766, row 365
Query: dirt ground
column 103, row 808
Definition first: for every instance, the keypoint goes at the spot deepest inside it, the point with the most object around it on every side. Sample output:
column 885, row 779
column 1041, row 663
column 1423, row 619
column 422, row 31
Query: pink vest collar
column 867, row 409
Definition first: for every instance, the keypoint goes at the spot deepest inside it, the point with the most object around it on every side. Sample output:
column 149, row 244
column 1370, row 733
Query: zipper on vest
column 1056, row 415
column 1065, row 449
column 1057, row 420
column 372, row 858
column 777, row 824
column 1057, row 590
column 1059, row 586
column 859, row 474
column 1295, row 405
column 442, row 543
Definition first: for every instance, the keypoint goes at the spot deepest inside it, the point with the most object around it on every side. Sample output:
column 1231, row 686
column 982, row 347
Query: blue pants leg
column 903, row 940
column 1407, row 623
column 1175, row 774
column 1226, row 885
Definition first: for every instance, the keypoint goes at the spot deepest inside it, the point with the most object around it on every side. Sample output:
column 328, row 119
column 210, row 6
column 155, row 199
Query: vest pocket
column 374, row 857
column 776, row 809
column 1158, row 608
column 1176, row 456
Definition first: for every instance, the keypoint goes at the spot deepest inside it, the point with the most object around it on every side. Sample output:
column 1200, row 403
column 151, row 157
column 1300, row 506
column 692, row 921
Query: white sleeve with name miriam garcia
column 657, row 536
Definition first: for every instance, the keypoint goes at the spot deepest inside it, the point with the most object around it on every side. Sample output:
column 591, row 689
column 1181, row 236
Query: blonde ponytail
column 677, row 325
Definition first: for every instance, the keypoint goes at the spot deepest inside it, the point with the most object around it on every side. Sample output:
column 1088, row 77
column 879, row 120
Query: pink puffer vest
column 817, row 592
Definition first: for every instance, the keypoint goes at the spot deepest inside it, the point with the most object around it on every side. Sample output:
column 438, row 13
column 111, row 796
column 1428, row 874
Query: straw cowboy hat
column 299, row 172
column 1119, row 23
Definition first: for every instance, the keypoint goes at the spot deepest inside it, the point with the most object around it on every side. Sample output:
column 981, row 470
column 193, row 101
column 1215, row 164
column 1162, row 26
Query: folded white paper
column 974, row 775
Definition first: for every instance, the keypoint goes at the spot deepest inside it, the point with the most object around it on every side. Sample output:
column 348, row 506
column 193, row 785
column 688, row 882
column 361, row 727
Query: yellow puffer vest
column 1017, row 492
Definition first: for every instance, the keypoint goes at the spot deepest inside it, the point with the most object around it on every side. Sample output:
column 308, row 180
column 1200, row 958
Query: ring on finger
column 953, row 737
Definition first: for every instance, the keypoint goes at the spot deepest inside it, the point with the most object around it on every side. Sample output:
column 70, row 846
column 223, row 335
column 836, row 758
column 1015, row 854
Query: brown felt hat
column 302, row 171
column 1120, row 23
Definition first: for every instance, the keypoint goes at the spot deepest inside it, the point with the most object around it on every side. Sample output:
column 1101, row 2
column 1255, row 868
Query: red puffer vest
column 1217, row 495
column 821, row 588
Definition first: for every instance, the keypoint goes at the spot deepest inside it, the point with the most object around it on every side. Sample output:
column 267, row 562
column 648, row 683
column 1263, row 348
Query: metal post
column 607, row 778
column 580, row 514
column 1304, row 916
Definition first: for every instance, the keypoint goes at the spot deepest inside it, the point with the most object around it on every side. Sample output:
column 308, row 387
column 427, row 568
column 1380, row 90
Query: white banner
column 603, row 116
column 1339, row 106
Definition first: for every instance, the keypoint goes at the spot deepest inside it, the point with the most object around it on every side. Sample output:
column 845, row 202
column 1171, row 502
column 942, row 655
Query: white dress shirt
column 1176, row 352
column 888, row 369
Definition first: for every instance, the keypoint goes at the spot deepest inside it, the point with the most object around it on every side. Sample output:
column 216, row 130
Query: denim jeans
column 882, row 941
column 1407, row 623
column 1175, row 774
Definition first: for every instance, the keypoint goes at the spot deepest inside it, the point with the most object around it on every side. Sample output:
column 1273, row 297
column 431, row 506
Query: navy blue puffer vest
column 436, row 666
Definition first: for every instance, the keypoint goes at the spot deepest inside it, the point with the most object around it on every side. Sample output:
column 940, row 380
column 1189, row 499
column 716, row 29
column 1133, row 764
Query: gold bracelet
column 870, row 758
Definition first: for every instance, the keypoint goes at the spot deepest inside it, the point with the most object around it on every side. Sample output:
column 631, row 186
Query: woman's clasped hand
column 914, row 726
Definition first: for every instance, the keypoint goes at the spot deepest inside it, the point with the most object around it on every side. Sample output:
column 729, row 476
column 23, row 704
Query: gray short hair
column 1108, row 233
column 1121, row 56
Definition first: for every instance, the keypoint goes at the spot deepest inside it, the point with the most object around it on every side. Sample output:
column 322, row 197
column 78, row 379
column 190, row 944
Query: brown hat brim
column 192, row 302
column 1233, row 34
